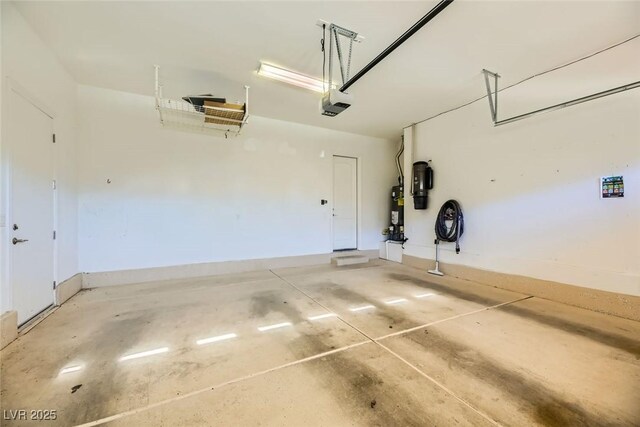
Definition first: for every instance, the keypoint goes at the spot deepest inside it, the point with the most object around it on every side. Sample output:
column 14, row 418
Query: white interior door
column 345, row 203
column 29, row 132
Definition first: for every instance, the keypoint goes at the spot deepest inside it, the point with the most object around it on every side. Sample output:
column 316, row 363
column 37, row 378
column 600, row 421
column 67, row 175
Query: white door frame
column 358, row 196
column 6, row 190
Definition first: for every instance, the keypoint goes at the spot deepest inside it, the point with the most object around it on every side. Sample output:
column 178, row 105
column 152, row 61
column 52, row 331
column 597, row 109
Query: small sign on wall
column 611, row 187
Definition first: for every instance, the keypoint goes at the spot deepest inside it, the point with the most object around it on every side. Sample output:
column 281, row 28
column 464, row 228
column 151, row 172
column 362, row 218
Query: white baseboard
column 613, row 303
column 9, row 320
column 124, row 277
column 68, row 288
column 8, row 328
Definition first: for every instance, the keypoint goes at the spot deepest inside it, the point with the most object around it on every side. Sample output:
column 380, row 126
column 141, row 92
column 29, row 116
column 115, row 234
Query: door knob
column 16, row 241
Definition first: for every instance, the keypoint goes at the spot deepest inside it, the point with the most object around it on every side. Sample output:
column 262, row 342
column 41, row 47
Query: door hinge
column 54, row 284
column 54, row 184
column 54, row 138
column 54, row 234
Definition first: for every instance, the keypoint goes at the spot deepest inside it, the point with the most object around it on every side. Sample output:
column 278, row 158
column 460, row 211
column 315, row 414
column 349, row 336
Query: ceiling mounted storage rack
column 210, row 117
column 492, row 95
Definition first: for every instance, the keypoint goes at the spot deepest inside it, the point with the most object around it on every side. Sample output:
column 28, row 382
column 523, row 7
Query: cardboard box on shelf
column 213, row 115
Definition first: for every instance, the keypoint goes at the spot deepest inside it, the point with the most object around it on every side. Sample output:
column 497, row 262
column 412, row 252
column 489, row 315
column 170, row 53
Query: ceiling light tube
column 291, row 77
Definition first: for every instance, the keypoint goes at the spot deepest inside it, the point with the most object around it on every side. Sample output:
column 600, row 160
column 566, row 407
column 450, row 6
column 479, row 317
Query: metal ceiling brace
column 493, row 99
column 335, row 31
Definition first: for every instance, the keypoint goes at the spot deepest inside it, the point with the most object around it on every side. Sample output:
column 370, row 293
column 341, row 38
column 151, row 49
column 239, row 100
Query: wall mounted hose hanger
column 450, row 212
column 449, row 228
column 492, row 95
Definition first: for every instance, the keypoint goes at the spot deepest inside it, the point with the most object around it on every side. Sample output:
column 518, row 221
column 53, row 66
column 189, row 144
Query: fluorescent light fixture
column 70, row 369
column 322, row 316
column 276, row 326
column 364, row 307
column 396, row 301
column 216, row 339
column 424, row 295
column 144, row 354
column 291, row 77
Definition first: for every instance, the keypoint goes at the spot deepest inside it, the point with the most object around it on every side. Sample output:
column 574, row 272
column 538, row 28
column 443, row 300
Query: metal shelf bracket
column 493, row 101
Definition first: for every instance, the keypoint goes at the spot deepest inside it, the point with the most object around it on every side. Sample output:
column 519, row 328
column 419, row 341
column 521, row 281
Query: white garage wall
column 28, row 62
column 180, row 198
column 529, row 190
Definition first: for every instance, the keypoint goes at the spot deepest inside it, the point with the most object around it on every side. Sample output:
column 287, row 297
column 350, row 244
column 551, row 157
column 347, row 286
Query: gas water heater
column 396, row 230
column 421, row 184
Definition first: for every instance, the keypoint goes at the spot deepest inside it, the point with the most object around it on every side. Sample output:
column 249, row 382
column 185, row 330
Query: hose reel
column 450, row 213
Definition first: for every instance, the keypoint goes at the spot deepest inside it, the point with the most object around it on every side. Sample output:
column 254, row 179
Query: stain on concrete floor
column 372, row 388
column 515, row 387
column 273, row 301
column 371, row 392
column 393, row 316
column 611, row 339
column 465, row 295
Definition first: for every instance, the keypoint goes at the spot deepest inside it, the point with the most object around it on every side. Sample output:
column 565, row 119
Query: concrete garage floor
column 373, row 344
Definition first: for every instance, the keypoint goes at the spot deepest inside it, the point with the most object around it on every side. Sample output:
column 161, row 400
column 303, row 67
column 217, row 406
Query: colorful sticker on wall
column 611, row 187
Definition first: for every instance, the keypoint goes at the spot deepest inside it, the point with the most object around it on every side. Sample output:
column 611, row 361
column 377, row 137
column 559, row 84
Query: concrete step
column 349, row 260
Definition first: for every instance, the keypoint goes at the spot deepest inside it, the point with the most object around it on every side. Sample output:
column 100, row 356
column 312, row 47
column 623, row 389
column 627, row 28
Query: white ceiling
column 216, row 47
